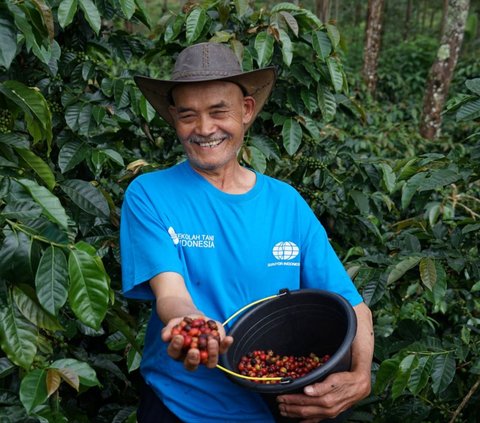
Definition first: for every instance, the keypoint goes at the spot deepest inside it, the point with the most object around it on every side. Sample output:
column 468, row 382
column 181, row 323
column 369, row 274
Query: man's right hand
column 193, row 357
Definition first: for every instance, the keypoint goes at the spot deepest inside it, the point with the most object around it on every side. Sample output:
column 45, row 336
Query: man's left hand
column 327, row 399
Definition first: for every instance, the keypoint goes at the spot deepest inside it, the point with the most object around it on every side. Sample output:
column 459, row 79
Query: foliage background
column 402, row 213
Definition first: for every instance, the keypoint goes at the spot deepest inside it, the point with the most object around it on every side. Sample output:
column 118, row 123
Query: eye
column 219, row 113
column 186, row 117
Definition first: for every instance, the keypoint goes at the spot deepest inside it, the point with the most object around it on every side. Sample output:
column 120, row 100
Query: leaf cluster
column 75, row 130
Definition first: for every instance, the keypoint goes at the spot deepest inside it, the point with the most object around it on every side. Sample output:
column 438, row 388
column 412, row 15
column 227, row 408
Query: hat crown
column 205, row 60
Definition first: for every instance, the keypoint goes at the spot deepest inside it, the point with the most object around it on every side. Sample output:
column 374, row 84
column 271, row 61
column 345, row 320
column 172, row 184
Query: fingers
column 195, row 355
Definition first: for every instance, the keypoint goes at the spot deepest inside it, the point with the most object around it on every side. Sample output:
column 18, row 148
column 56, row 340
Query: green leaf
column 85, row 373
column 291, row 21
column 241, row 7
column 267, row 146
column 326, row 103
column 71, row 154
column 439, row 178
column 287, row 47
column 120, row 93
column 361, row 201
column 10, row 244
column 91, row 14
column 411, row 187
column 89, row 288
column 428, row 272
column 336, row 75
column 285, row 6
column 312, row 126
column 420, row 374
column 35, row 107
column 321, row 44
column 33, row 389
column 18, row 337
column 8, row 41
column 51, row 280
column 403, row 375
column 85, row 119
column 388, row 177
column 66, row 12
column 437, row 294
column 374, row 289
column 333, row 34
column 50, row 204
column 473, row 85
column 39, row 167
column 113, row 156
column 98, row 113
column 195, row 23
column 443, row 372
column 128, row 7
column 25, row 299
column 6, row 367
column 146, row 109
column 401, row 268
column 87, row 197
column 385, row 375
column 292, row 135
column 469, row 111
column 15, row 140
column 71, row 115
column 309, row 100
column 264, row 47
column 255, row 158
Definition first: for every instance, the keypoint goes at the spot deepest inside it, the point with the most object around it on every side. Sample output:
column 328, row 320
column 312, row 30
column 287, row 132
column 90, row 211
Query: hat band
column 207, row 73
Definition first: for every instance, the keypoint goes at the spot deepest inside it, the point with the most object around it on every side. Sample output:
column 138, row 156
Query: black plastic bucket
column 294, row 323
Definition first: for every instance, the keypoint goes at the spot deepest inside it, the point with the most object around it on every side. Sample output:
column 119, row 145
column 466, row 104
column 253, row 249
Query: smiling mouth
column 208, row 143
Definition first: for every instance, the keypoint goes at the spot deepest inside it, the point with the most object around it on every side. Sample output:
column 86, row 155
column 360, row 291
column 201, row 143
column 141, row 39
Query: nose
column 205, row 125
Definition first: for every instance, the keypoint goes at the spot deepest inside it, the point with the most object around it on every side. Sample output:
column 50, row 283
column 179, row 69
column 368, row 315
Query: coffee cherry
column 267, row 364
column 196, row 333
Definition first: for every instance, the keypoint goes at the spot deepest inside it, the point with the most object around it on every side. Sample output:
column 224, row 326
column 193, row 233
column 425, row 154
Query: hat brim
column 257, row 83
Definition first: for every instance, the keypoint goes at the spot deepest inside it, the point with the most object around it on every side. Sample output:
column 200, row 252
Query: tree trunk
column 408, row 17
column 444, row 16
column 371, row 49
column 442, row 69
column 322, row 9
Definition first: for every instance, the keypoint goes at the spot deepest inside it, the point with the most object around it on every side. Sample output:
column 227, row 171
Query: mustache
column 199, row 139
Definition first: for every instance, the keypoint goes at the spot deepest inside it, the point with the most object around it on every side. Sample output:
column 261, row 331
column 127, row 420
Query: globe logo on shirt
column 285, row 250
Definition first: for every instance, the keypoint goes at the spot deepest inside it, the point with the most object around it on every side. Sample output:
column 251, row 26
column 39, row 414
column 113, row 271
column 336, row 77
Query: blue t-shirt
column 231, row 249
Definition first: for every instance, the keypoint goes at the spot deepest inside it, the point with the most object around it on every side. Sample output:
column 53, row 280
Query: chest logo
column 285, row 250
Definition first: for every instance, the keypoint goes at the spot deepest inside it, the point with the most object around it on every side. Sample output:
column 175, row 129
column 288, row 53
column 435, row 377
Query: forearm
column 363, row 344
column 172, row 297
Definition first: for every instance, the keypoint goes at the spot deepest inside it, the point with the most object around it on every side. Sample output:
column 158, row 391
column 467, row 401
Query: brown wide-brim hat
column 207, row 62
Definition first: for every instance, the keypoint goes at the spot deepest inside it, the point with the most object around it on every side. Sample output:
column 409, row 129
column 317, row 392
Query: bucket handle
column 282, row 380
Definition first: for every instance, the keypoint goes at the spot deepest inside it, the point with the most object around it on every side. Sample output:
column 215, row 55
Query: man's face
column 209, row 119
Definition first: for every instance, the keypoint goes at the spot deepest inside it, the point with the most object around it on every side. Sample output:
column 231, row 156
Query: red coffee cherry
column 267, row 364
column 196, row 334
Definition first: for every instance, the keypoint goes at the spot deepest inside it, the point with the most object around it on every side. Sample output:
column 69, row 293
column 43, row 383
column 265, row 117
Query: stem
column 465, row 400
column 17, row 227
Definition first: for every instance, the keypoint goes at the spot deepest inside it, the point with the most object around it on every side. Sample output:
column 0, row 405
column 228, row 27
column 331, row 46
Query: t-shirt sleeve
column 321, row 268
column 146, row 246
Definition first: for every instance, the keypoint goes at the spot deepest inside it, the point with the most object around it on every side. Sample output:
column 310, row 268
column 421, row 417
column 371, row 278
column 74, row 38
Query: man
column 198, row 238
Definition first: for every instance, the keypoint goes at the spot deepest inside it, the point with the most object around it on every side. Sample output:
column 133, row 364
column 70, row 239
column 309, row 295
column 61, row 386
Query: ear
column 248, row 109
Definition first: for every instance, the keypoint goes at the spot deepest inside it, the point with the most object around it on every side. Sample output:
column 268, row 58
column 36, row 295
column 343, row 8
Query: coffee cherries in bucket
column 267, row 364
column 196, row 333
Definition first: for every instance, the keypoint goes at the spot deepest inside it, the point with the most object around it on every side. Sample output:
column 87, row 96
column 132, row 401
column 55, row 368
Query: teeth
column 210, row 144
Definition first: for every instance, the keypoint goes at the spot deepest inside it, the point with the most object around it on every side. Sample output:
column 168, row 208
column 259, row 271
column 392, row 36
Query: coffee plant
column 75, row 130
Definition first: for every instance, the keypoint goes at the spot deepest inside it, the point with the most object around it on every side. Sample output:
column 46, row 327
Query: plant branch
column 465, row 400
